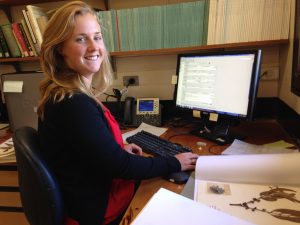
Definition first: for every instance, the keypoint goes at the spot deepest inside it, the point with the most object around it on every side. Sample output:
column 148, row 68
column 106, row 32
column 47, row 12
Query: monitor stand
column 218, row 132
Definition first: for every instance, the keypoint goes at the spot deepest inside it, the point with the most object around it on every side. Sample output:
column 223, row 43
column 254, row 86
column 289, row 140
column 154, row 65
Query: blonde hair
column 61, row 81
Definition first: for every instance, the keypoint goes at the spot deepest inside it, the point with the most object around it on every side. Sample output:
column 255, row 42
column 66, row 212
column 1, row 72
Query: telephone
column 147, row 110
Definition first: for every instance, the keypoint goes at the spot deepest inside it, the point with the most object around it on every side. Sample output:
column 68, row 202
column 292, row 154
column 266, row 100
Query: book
column 20, row 39
column 260, row 188
column 42, row 23
column 34, row 13
column 1, row 51
column 11, row 40
column 18, row 43
column 166, row 207
column 26, row 37
column 36, row 47
column 4, row 44
column 3, row 18
column 166, row 26
column 249, row 20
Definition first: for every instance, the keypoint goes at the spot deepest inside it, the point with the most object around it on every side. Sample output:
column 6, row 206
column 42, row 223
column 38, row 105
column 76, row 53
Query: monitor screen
column 220, row 83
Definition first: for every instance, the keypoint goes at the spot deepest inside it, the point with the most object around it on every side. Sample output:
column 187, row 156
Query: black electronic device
column 157, row 146
column 147, row 110
column 220, row 88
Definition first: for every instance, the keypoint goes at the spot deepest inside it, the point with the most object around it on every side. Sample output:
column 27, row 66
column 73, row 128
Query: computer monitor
column 219, row 87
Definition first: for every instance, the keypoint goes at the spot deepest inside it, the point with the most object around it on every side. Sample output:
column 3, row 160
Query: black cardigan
column 79, row 147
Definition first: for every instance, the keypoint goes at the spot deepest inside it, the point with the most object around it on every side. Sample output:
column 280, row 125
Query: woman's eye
column 98, row 38
column 81, row 39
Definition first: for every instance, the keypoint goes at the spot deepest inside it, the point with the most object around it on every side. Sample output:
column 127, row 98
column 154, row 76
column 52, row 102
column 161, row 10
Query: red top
column 121, row 191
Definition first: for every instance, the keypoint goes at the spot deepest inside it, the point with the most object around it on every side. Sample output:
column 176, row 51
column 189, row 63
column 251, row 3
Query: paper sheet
column 278, row 169
column 273, row 179
column 281, row 144
column 13, row 86
column 7, row 152
column 167, row 207
column 239, row 147
column 146, row 127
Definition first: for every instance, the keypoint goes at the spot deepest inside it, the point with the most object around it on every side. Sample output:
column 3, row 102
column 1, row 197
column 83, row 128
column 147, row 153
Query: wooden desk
column 258, row 132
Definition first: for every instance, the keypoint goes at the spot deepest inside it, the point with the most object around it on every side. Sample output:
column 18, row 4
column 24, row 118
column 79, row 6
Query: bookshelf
column 169, row 51
column 22, row 2
column 164, row 51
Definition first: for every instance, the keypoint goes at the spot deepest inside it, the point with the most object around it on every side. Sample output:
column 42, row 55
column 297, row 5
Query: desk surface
column 258, row 132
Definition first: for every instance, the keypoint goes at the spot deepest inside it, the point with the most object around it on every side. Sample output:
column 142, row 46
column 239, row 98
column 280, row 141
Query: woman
column 80, row 139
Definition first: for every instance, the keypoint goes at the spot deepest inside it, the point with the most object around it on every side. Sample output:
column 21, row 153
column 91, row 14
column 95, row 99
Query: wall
column 155, row 71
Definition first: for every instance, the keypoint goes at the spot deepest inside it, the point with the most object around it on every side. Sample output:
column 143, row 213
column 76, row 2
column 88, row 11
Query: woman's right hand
column 187, row 160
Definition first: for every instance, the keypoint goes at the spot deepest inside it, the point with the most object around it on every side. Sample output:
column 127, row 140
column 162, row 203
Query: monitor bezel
column 253, row 84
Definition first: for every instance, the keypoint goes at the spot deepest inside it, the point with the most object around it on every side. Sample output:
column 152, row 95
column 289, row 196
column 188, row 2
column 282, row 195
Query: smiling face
column 84, row 50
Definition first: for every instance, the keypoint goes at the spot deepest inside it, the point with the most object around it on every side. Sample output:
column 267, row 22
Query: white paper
column 275, row 169
column 13, row 86
column 240, row 147
column 244, row 177
column 7, row 148
column 4, row 125
column 166, row 207
column 146, row 127
column 7, row 152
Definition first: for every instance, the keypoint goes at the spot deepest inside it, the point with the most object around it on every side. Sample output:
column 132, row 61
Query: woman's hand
column 133, row 149
column 187, row 160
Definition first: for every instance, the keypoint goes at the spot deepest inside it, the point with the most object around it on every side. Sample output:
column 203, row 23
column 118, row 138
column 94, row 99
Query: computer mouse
column 178, row 177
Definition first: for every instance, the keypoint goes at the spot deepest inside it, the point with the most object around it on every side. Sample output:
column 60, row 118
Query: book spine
column 30, row 29
column 4, row 44
column 20, row 39
column 18, row 44
column 1, row 52
column 24, row 25
column 35, row 26
column 29, row 48
column 11, row 41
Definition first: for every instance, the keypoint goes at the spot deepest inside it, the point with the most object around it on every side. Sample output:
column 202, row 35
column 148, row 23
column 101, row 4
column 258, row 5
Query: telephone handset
column 147, row 110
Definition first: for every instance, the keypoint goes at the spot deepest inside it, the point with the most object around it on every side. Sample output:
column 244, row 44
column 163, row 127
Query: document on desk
column 7, row 152
column 240, row 147
column 166, row 207
column 261, row 188
column 146, row 127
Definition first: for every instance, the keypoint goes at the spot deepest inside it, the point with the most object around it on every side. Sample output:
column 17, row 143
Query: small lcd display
column 146, row 105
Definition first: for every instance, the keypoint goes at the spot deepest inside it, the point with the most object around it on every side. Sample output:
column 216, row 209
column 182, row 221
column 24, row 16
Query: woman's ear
column 60, row 50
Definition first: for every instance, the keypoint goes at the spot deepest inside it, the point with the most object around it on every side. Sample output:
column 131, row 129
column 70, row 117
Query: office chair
column 40, row 195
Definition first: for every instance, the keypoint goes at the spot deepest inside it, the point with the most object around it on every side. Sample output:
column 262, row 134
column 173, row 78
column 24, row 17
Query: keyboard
column 155, row 145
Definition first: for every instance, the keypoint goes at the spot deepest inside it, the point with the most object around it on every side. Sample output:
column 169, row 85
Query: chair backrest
column 39, row 191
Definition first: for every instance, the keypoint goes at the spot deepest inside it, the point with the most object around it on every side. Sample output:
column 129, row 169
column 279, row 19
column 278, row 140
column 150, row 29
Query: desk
column 258, row 132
